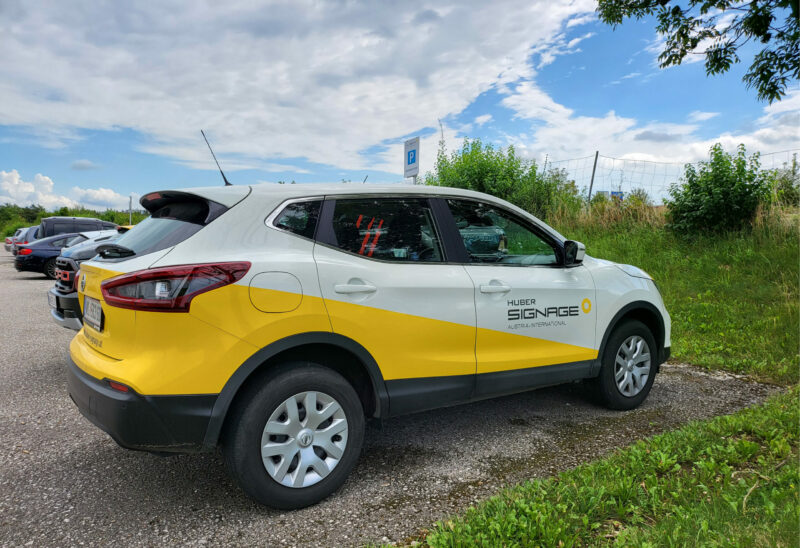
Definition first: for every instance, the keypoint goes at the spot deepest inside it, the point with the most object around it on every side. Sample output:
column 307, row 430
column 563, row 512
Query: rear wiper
column 114, row 251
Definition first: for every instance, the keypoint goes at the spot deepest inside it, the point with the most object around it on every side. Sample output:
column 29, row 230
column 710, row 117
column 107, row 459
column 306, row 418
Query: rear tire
column 628, row 367
column 284, row 455
column 50, row 269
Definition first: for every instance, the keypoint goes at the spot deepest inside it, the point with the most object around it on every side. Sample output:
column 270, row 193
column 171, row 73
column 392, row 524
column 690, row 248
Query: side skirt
column 415, row 395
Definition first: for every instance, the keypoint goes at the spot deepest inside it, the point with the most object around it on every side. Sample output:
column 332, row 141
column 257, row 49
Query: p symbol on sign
column 412, row 156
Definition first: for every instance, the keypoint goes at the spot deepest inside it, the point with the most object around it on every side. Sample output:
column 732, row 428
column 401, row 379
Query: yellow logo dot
column 586, row 306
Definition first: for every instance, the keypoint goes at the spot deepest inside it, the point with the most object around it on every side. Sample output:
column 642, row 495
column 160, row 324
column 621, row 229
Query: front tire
column 294, row 438
column 628, row 367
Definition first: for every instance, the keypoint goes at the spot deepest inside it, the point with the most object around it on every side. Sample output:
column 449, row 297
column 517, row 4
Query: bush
column 723, row 193
column 503, row 174
column 786, row 184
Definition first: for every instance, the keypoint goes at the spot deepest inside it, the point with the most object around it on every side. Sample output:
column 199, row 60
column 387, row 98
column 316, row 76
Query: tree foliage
column 718, row 29
column 13, row 216
column 501, row 173
column 723, row 193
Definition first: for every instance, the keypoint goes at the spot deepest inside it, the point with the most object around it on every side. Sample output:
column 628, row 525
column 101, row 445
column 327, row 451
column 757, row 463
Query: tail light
column 24, row 251
column 169, row 289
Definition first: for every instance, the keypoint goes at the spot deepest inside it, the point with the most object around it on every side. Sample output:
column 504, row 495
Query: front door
column 386, row 285
column 535, row 317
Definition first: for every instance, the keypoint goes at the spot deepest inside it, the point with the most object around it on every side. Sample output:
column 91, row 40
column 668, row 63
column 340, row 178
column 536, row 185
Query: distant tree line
column 14, row 216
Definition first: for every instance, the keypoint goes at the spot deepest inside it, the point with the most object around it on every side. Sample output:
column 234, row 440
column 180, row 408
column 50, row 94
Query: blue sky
column 328, row 91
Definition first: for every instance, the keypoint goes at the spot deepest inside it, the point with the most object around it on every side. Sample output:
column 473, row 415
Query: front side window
column 390, row 229
column 299, row 218
column 494, row 236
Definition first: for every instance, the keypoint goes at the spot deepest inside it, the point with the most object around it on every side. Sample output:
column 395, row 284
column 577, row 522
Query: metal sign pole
column 594, row 167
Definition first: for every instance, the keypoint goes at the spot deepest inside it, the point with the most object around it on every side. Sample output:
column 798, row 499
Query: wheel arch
column 338, row 352
column 645, row 312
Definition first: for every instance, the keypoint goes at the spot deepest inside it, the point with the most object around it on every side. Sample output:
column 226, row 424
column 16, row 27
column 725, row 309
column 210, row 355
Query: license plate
column 93, row 314
column 51, row 300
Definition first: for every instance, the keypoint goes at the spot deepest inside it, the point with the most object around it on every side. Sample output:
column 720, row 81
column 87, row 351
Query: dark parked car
column 63, row 298
column 40, row 255
column 52, row 226
column 28, row 235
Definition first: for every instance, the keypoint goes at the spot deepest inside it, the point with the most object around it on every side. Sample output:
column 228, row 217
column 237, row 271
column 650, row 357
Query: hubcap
column 632, row 366
column 304, row 439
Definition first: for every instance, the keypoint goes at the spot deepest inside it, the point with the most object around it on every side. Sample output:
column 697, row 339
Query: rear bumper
column 147, row 423
column 28, row 263
column 67, row 309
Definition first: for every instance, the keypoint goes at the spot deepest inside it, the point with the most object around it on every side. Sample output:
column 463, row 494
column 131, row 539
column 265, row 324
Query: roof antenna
column 227, row 183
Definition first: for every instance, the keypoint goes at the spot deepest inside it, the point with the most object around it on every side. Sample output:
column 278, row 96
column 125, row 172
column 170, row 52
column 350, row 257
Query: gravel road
column 64, row 482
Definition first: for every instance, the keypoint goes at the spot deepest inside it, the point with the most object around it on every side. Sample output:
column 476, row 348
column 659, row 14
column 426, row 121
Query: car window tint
column 494, row 236
column 299, row 218
column 390, row 229
column 60, row 228
column 85, row 226
column 169, row 225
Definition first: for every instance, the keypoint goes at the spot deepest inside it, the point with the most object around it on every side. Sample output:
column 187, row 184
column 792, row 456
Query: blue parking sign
column 411, row 152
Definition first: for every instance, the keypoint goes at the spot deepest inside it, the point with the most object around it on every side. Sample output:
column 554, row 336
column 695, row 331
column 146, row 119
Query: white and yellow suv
column 272, row 320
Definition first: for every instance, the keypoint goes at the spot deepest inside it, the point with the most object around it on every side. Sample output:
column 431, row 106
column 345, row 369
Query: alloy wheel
column 632, row 366
column 304, row 439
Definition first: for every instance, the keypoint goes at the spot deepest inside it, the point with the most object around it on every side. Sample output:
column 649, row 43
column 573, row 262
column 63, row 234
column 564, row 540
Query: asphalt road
column 64, row 482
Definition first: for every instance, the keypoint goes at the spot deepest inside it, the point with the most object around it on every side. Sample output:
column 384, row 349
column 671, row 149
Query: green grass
column 730, row 481
column 733, row 298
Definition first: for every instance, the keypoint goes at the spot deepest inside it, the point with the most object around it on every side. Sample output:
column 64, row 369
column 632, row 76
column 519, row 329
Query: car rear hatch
column 175, row 217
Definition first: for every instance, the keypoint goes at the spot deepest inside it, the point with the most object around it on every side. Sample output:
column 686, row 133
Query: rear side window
column 168, row 225
column 85, row 226
column 390, row 229
column 299, row 218
column 62, row 227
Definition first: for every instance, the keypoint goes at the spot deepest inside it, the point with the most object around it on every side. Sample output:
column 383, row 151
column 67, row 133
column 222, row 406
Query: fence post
column 594, row 168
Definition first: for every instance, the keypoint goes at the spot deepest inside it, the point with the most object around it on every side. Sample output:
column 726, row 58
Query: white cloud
column 581, row 20
column 40, row 190
column 83, row 165
column 558, row 133
column 101, row 197
column 483, row 119
column 699, row 116
column 322, row 80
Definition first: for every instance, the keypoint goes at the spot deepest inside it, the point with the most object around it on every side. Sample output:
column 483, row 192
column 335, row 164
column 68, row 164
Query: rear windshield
column 76, row 240
column 169, row 225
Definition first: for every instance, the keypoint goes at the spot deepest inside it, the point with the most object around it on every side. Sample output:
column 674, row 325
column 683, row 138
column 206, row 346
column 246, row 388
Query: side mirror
column 573, row 252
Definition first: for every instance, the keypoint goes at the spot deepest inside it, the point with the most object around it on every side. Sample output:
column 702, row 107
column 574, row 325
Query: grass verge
column 733, row 298
column 730, row 481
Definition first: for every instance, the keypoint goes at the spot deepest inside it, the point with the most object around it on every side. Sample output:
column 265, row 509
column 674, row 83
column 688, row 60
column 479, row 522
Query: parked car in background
column 40, row 255
column 10, row 240
column 52, row 226
column 25, row 237
column 63, row 297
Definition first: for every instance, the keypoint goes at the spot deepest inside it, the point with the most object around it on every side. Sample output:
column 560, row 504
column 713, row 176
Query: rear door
column 532, row 312
column 388, row 286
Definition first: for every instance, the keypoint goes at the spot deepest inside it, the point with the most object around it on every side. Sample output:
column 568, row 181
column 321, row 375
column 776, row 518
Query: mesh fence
column 614, row 175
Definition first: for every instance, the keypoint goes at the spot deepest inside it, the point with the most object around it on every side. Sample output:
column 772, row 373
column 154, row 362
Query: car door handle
column 349, row 289
column 495, row 288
